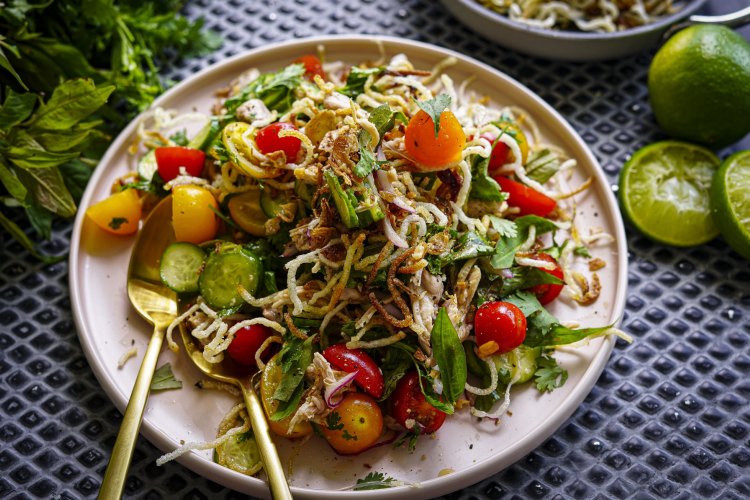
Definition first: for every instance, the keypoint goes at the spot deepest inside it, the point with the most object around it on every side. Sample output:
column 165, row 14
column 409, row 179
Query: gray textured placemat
column 668, row 418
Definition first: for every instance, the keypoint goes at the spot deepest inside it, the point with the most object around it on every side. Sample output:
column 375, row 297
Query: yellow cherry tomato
column 245, row 210
column 192, row 216
column 354, row 425
column 118, row 214
column 432, row 152
column 268, row 383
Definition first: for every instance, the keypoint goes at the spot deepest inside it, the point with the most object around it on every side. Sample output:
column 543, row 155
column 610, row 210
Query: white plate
column 107, row 325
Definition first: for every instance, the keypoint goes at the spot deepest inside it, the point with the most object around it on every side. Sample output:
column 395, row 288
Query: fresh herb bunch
column 72, row 74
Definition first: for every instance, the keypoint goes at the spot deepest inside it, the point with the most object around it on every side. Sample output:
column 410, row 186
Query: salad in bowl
column 379, row 242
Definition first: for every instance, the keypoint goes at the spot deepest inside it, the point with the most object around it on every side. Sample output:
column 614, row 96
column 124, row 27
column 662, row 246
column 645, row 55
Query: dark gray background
column 668, row 418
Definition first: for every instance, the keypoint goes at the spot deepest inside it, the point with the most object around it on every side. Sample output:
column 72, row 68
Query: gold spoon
column 157, row 304
column 224, row 372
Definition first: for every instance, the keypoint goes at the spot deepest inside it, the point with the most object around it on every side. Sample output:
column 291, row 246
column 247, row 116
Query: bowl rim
column 663, row 23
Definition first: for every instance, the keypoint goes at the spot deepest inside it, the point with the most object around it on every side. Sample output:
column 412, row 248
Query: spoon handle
column 122, row 453
column 268, row 453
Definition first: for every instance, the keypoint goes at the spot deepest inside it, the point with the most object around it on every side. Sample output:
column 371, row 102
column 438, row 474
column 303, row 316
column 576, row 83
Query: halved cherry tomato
column 117, row 214
column 246, row 343
column 410, row 407
column 502, row 323
column 501, row 152
column 354, row 425
column 269, row 381
column 267, row 139
column 530, row 201
column 170, row 159
column 548, row 292
column 432, row 152
column 369, row 377
column 313, row 66
column 192, row 216
column 245, row 210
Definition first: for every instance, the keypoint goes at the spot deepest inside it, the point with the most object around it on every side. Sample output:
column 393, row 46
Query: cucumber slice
column 147, row 166
column 520, row 362
column 181, row 265
column 224, row 271
column 271, row 205
column 205, row 136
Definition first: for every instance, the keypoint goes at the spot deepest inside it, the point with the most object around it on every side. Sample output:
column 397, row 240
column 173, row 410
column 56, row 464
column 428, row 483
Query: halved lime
column 730, row 201
column 240, row 453
column 664, row 191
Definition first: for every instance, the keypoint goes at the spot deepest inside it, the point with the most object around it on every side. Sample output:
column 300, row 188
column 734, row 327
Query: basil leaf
column 16, row 108
column 164, row 379
column 542, row 166
column 450, row 357
column 356, row 79
column 295, row 357
column 5, row 63
column 484, row 187
column 14, row 186
column 434, row 108
column 288, row 407
column 71, row 102
column 561, row 335
column 524, row 277
column 48, row 189
column 395, row 365
column 429, row 393
column 76, row 175
column 506, row 248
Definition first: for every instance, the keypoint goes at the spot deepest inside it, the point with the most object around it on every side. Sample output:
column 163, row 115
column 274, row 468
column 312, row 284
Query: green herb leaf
column 506, row 248
column 549, row 376
column 504, row 227
column 450, row 357
column 395, row 365
column 276, row 90
column 374, row 481
column 48, row 188
column 14, row 186
column 333, row 421
column 295, row 357
column 356, row 79
column 429, row 393
column 71, row 102
column 434, row 108
column 16, row 108
column 524, row 277
column 542, row 166
column 582, row 251
column 484, row 187
column 5, row 63
column 287, row 408
column 164, row 379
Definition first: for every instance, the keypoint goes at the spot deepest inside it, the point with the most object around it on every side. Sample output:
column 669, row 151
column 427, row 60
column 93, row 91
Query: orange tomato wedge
column 428, row 151
column 118, row 214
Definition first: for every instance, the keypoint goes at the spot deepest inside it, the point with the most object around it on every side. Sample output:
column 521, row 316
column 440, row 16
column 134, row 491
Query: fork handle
column 122, row 453
column 268, row 454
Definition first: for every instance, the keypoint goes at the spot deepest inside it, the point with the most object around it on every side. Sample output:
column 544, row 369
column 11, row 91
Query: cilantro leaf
column 164, row 379
column 333, row 421
column 549, row 375
column 506, row 248
column 374, row 481
column 434, row 108
column 505, row 228
column 274, row 89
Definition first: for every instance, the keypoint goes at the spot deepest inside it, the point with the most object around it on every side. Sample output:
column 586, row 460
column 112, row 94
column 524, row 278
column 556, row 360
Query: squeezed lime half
column 664, row 192
column 730, row 201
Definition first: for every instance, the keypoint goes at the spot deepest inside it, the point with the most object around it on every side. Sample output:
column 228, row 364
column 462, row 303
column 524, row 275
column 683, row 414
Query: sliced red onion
column 379, row 154
column 402, row 203
column 331, row 394
column 382, row 181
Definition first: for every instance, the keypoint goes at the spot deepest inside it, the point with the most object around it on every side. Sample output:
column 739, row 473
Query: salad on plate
column 375, row 240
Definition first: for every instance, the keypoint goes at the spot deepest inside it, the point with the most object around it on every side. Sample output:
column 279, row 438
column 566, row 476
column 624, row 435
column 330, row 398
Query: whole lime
column 699, row 85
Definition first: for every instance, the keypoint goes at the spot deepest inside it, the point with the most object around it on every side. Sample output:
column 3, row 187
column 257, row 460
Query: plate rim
column 431, row 487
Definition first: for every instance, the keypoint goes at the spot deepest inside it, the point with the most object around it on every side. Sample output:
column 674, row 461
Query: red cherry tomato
column 246, row 342
column 410, row 404
column 169, row 160
column 502, row 323
column 530, row 201
column 313, row 66
column 548, row 292
column 499, row 155
column 267, row 139
column 369, row 376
